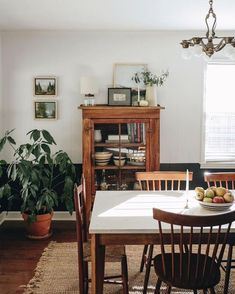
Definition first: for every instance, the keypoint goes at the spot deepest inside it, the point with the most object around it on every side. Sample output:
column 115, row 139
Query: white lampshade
column 88, row 85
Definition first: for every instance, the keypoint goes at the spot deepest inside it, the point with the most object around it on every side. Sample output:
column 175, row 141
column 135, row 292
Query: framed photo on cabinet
column 46, row 110
column 119, row 96
column 45, row 86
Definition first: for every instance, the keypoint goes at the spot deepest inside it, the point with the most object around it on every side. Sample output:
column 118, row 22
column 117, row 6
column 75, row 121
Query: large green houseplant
column 42, row 179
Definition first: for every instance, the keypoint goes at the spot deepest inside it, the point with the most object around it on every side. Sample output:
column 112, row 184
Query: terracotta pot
column 40, row 228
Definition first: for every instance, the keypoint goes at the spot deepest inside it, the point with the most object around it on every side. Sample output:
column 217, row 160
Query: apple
column 228, row 197
column 220, row 191
column 199, row 196
column 199, row 190
column 218, row 199
column 209, row 193
column 207, row 199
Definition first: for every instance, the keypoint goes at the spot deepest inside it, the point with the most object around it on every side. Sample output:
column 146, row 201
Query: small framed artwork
column 119, row 96
column 45, row 86
column 45, row 110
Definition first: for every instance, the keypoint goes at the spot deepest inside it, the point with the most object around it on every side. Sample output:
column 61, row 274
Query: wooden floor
column 19, row 255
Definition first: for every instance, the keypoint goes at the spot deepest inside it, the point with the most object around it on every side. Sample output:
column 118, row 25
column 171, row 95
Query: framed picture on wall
column 119, row 96
column 123, row 74
column 45, row 86
column 45, row 110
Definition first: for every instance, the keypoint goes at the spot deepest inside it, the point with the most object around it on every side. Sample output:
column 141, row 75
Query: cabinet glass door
column 119, row 151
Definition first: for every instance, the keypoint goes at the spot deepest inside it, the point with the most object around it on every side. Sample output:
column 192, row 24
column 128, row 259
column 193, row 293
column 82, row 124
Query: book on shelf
column 116, row 141
column 118, row 137
column 136, row 132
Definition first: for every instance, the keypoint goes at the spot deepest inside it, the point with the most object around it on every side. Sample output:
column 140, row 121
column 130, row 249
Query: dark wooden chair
column 199, row 267
column 227, row 180
column 151, row 181
column 112, row 254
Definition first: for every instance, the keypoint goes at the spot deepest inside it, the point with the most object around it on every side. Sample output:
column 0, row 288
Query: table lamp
column 88, row 87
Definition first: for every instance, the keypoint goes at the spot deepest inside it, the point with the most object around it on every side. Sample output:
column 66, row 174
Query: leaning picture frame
column 45, row 110
column 123, row 74
column 45, row 86
column 119, row 96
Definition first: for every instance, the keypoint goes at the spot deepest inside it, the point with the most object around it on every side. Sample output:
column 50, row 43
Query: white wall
column 70, row 55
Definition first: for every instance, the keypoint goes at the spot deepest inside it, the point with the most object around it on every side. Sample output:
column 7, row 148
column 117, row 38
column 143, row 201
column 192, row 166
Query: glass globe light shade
column 186, row 53
column 197, row 51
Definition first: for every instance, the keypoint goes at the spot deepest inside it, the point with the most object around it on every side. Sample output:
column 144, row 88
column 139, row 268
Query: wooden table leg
column 97, row 265
column 228, row 268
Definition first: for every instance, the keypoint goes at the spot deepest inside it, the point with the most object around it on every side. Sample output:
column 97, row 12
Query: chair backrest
column 188, row 229
column 162, row 180
column 223, row 179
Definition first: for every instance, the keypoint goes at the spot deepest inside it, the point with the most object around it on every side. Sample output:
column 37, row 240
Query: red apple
column 218, row 199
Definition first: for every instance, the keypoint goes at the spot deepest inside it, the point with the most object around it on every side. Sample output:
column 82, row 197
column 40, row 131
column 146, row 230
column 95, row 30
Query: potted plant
column 35, row 175
column 151, row 81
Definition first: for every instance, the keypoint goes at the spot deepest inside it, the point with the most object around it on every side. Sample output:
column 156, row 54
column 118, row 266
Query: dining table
column 126, row 218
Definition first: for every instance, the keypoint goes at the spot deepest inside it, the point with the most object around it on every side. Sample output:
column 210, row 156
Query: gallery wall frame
column 45, row 110
column 45, row 86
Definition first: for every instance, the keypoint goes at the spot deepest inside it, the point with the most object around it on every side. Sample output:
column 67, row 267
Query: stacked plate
column 102, row 158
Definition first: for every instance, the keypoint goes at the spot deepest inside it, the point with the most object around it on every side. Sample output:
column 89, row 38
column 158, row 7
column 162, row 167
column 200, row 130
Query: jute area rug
column 57, row 273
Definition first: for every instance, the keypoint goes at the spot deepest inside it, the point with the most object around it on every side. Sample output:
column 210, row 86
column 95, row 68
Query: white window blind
column 220, row 113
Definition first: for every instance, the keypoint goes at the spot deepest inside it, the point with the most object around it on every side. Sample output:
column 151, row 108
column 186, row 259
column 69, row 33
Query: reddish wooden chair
column 199, row 267
column 227, row 180
column 158, row 180
column 112, row 254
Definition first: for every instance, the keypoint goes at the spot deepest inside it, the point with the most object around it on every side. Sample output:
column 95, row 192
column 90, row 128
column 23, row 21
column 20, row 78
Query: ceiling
column 110, row 15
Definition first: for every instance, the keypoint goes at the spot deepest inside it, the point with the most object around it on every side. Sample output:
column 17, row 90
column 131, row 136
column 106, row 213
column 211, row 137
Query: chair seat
column 113, row 253
column 188, row 280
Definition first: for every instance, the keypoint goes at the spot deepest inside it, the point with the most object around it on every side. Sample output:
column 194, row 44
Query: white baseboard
column 16, row 215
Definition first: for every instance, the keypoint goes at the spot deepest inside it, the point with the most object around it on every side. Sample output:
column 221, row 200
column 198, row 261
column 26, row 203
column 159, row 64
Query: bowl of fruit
column 214, row 198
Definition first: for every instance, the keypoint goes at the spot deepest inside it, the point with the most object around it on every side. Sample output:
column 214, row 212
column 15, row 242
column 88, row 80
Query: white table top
column 130, row 212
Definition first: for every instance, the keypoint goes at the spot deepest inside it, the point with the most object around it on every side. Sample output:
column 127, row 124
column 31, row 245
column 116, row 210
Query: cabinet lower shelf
column 125, row 167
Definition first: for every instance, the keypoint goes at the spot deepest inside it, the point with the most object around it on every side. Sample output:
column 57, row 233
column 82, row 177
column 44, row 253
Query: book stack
column 117, row 139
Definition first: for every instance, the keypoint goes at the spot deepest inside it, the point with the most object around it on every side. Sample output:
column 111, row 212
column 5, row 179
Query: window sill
column 218, row 165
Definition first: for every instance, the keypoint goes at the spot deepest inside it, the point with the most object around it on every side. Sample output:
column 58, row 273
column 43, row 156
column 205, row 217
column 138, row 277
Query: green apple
column 207, row 199
column 209, row 193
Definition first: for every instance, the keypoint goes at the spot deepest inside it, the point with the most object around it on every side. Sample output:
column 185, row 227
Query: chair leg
column 168, row 290
column 145, row 250
column 158, row 286
column 124, row 274
column 86, row 282
column 228, row 269
column 81, row 276
column 148, row 267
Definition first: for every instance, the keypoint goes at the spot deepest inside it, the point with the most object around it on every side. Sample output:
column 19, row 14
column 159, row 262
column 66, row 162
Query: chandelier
column 210, row 43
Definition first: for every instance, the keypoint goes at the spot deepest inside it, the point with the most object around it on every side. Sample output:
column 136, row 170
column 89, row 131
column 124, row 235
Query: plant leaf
column 48, row 137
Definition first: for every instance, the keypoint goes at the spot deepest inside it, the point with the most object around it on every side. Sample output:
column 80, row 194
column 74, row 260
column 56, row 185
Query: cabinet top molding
column 105, row 106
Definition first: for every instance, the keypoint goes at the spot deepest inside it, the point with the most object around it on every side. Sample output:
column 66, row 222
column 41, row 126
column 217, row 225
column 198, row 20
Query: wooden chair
column 199, row 267
column 227, row 180
column 223, row 179
column 151, row 181
column 112, row 254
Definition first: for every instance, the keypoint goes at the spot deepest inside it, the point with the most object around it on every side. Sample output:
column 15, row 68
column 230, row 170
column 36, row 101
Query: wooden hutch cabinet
column 129, row 136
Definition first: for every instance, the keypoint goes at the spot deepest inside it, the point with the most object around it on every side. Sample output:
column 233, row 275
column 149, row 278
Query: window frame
column 204, row 163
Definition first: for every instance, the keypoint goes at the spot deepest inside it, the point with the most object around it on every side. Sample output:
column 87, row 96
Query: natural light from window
column 219, row 120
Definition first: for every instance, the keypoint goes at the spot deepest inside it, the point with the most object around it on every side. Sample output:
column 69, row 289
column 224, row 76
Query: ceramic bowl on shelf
column 120, row 162
column 103, row 155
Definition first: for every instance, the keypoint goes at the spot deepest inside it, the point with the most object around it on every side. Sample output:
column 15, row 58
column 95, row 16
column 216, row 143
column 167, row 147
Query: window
column 219, row 115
